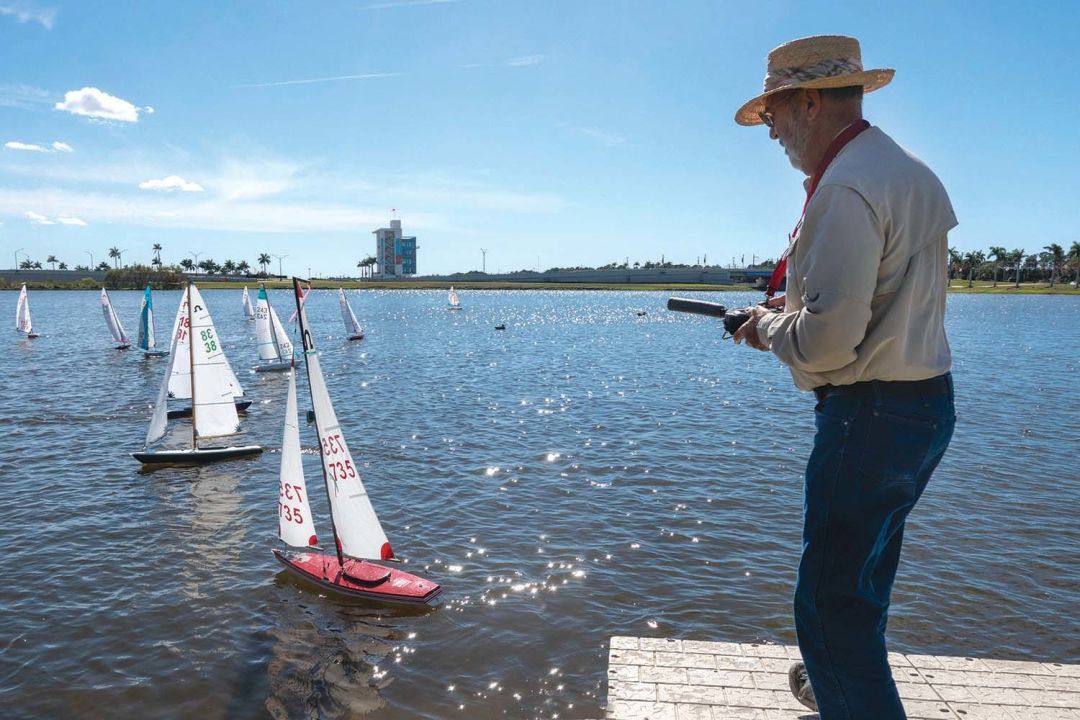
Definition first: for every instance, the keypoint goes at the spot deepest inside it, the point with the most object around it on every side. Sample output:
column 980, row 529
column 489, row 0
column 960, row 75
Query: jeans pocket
column 897, row 447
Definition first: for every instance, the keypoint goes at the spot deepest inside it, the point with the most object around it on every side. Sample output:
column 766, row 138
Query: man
column 862, row 326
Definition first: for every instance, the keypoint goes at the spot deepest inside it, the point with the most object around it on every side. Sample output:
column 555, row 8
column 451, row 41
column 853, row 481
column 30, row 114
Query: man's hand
column 775, row 302
column 748, row 332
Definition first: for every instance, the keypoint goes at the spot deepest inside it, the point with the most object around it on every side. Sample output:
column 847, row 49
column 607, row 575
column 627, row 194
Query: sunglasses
column 780, row 100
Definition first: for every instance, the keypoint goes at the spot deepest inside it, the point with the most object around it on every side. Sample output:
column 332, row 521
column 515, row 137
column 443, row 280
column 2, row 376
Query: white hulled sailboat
column 22, row 315
column 274, row 344
column 352, row 325
column 113, row 322
column 147, row 341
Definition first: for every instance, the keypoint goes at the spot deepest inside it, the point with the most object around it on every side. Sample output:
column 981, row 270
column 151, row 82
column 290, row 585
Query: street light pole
column 483, row 254
column 279, row 259
column 91, row 259
column 17, row 259
column 196, row 256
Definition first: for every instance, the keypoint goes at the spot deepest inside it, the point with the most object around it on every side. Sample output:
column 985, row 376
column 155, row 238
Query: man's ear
column 812, row 103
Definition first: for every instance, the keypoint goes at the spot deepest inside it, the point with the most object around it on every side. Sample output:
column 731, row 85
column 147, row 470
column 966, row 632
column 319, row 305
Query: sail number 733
column 333, row 446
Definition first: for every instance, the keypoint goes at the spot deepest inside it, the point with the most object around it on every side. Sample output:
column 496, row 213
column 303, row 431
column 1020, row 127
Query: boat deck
column 661, row 679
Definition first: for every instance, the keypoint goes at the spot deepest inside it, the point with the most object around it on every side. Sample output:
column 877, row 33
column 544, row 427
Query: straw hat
column 822, row 61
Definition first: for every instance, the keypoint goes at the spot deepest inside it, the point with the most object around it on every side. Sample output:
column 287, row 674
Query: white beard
column 796, row 148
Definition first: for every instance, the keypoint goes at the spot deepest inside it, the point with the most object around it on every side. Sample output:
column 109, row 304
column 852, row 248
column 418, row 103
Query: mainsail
column 273, row 342
column 454, row 301
column 146, row 340
column 352, row 325
column 295, row 524
column 180, row 374
column 356, row 526
column 249, row 312
column 112, row 321
column 22, row 313
column 213, row 408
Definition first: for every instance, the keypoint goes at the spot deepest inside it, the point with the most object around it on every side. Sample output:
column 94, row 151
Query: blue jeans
column 876, row 445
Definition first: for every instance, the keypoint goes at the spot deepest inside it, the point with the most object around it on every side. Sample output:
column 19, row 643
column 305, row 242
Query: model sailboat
column 146, row 341
column 22, row 316
column 358, row 535
column 180, row 368
column 352, row 325
column 113, row 322
column 274, row 344
column 249, row 312
column 213, row 412
column 455, row 302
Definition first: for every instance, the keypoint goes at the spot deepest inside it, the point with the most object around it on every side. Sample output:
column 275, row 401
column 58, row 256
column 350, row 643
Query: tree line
column 1051, row 265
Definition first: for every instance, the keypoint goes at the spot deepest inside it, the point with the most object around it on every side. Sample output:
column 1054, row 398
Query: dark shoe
column 799, row 682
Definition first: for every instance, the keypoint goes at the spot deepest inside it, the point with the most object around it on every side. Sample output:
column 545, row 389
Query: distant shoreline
column 959, row 287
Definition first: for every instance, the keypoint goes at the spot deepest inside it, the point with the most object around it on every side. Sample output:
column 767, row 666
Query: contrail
column 367, row 76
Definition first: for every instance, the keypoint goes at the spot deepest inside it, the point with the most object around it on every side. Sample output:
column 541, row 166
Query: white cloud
column 92, row 102
column 62, row 147
column 250, row 180
column 38, row 219
column 148, row 110
column 25, row 12
column 172, row 182
column 71, row 221
column 23, row 96
column 14, row 145
column 525, row 60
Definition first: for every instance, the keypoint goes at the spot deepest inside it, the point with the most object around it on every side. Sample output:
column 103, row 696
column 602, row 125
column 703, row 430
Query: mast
column 309, row 347
column 191, row 375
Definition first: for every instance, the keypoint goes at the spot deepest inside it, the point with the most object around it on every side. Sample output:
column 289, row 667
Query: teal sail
column 146, row 341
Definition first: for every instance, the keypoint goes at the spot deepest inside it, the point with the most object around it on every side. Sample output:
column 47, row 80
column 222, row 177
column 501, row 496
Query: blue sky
column 555, row 133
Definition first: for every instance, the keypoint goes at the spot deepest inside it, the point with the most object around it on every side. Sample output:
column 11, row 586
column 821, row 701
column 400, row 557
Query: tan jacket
column 867, row 273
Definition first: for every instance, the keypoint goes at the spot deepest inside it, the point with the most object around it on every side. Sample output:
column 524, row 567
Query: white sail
column 22, row 313
column 352, row 325
column 249, row 312
column 213, row 408
column 180, row 365
column 355, row 522
column 281, row 338
column 159, row 419
column 146, row 340
column 264, row 328
column 453, row 297
column 112, row 321
column 295, row 524
column 180, row 380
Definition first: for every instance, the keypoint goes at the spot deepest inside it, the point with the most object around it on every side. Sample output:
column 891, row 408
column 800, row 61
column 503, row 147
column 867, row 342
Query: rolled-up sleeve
column 836, row 258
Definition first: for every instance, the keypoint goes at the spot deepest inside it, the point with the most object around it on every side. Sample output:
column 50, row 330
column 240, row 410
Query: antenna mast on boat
column 309, row 348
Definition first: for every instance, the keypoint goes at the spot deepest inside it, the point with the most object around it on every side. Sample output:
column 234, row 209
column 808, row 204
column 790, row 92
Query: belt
column 939, row 385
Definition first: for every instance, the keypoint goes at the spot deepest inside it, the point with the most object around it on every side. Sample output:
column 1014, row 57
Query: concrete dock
column 660, row 679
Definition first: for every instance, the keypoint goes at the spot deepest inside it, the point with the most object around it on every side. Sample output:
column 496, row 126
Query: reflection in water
column 331, row 656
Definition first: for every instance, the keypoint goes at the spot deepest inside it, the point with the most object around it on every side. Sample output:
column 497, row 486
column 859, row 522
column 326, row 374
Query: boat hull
column 196, row 457
column 357, row 337
column 154, row 353
column 361, row 578
column 241, row 406
column 274, row 367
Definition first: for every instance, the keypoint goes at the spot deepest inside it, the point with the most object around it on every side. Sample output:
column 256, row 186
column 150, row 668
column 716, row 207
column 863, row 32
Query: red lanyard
column 831, row 152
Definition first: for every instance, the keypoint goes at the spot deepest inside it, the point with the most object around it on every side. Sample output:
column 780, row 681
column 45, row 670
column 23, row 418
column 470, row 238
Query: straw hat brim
column 870, row 80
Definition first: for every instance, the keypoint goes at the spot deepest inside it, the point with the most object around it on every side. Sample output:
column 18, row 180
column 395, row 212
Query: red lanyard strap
column 831, row 152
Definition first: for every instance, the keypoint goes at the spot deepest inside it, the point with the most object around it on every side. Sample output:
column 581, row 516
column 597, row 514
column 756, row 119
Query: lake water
column 586, row 472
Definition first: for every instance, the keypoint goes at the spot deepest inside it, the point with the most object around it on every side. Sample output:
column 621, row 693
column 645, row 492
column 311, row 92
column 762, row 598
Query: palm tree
column 209, row 266
column 63, row 266
column 103, row 267
column 243, row 267
column 188, row 264
column 52, row 261
column 998, row 253
column 1016, row 257
column 157, row 254
column 114, row 253
column 156, row 262
column 264, row 260
column 955, row 261
column 1074, row 260
column 228, row 267
column 27, row 264
column 971, row 259
column 1057, row 257
column 365, row 265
